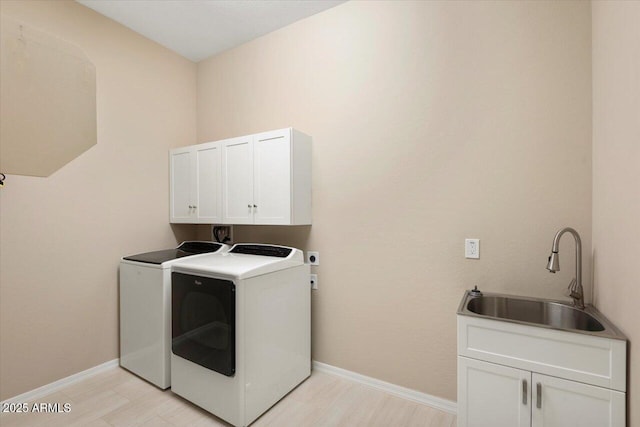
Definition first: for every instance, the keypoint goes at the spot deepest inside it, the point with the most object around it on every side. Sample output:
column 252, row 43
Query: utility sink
column 529, row 361
column 548, row 313
column 538, row 312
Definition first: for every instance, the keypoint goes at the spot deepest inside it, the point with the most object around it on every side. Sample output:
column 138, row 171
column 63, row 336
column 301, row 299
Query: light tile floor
column 118, row 398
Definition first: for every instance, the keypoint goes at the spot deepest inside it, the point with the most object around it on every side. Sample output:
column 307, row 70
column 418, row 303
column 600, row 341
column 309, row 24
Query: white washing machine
column 241, row 329
column 145, row 309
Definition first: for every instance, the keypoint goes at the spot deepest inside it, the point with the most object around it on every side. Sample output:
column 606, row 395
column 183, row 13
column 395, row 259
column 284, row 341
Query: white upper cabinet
column 255, row 179
column 196, row 184
column 272, row 165
column 238, row 180
column 208, row 201
column 267, row 178
column 181, row 178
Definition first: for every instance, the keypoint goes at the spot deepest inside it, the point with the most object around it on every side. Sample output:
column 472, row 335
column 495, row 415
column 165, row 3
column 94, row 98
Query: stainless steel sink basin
column 542, row 312
column 538, row 312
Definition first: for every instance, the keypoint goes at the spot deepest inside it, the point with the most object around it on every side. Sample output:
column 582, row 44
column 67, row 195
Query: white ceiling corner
column 198, row 29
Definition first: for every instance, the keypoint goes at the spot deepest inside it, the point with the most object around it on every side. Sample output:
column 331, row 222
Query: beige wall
column 62, row 236
column 432, row 122
column 616, row 175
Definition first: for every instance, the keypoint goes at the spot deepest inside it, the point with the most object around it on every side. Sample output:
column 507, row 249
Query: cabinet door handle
column 538, row 395
column 249, row 206
column 255, row 206
column 524, row 392
column 190, row 207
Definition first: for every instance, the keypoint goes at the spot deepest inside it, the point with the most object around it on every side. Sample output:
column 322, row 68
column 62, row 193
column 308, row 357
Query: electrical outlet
column 472, row 248
column 313, row 278
column 313, row 258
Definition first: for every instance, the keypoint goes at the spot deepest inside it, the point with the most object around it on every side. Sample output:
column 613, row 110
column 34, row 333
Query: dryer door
column 203, row 320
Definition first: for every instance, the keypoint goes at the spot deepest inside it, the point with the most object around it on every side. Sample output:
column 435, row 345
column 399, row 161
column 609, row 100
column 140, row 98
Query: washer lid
column 185, row 249
column 242, row 261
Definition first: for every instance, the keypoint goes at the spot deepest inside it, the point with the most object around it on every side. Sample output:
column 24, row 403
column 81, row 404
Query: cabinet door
column 208, row 189
column 237, row 169
column 491, row 395
column 272, row 180
column 181, row 181
column 564, row 403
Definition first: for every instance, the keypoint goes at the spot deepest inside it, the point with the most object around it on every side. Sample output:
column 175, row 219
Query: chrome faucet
column 575, row 287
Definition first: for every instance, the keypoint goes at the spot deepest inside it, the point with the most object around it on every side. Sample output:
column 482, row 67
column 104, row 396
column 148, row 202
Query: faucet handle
column 571, row 288
column 575, row 292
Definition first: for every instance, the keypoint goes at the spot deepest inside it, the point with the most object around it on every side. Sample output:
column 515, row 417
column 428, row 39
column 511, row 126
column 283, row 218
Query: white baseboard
column 50, row 388
column 396, row 390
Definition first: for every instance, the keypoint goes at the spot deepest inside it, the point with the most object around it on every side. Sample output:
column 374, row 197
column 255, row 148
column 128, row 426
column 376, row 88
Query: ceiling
column 198, row 29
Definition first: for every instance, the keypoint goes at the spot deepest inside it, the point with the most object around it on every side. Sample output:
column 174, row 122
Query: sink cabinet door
column 491, row 395
column 564, row 403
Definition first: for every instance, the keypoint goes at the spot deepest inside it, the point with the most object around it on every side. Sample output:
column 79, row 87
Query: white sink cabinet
column 516, row 375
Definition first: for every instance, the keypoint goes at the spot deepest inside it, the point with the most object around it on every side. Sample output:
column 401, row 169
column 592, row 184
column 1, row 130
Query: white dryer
column 145, row 309
column 241, row 329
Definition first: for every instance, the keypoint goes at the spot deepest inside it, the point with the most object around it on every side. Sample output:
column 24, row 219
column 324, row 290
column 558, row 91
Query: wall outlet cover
column 313, row 258
column 472, row 248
